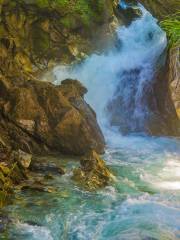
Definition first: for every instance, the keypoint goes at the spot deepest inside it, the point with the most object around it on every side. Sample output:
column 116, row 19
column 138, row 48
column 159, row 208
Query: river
column 143, row 203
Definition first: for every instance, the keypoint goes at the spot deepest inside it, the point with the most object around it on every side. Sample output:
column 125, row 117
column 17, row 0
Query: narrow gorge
column 89, row 120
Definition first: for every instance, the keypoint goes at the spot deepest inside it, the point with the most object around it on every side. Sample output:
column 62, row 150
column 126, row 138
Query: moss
column 41, row 40
column 42, row 3
column 79, row 8
column 69, row 22
column 86, row 11
column 1, row 2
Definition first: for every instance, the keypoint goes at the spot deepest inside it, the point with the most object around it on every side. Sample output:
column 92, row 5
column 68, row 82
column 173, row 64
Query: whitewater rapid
column 124, row 72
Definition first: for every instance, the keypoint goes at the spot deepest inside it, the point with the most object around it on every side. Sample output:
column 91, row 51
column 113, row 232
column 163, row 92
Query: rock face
column 93, row 173
column 164, row 105
column 160, row 112
column 41, row 117
column 161, row 9
column 37, row 34
column 174, row 77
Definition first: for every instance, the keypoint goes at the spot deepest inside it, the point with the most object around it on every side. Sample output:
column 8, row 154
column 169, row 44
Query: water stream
column 144, row 201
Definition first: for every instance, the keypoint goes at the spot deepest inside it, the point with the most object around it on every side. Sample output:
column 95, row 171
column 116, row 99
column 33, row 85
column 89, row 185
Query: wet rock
column 166, row 114
column 48, row 176
column 93, row 173
column 34, row 187
column 128, row 11
column 72, row 88
column 37, row 186
column 47, row 168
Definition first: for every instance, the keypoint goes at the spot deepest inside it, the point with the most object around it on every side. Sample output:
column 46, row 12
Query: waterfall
column 143, row 202
column 119, row 81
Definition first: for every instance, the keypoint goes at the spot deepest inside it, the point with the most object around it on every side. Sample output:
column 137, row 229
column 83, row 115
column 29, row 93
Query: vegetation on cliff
column 41, row 33
column 86, row 11
column 171, row 24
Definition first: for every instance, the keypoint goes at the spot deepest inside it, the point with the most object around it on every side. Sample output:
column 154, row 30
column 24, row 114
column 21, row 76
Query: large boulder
column 45, row 117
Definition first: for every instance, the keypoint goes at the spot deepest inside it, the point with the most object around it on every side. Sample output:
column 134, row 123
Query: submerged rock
column 93, row 173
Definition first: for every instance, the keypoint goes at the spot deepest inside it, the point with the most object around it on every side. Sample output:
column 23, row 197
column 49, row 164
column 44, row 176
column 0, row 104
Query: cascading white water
column 124, row 73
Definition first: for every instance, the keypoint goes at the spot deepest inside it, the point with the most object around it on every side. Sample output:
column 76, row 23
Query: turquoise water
column 143, row 203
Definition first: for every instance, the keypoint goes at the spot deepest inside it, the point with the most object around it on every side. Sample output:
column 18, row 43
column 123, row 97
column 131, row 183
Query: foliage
column 6, row 182
column 86, row 10
column 172, row 27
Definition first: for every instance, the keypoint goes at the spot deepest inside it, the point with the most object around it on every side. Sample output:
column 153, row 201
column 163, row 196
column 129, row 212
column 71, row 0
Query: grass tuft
column 171, row 25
